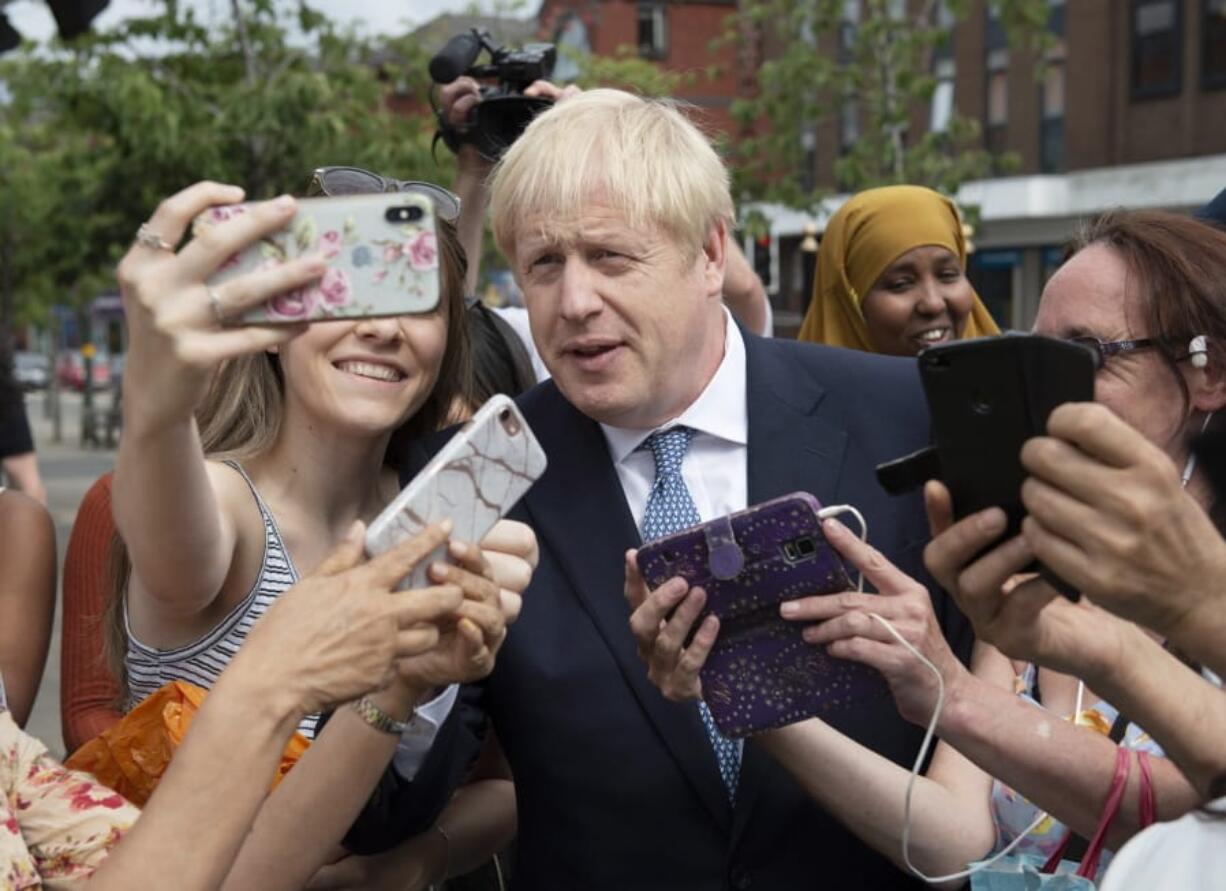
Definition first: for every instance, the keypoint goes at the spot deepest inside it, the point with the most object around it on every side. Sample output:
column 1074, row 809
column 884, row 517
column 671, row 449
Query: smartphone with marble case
column 474, row 480
column 382, row 254
column 760, row 673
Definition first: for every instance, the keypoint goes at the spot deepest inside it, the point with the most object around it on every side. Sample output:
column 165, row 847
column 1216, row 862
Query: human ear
column 1207, row 381
column 715, row 258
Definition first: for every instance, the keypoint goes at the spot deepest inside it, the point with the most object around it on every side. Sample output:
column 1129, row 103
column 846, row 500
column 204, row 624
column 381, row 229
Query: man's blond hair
column 641, row 157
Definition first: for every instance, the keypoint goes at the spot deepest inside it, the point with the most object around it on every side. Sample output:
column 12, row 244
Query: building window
column 1213, row 44
column 1051, row 126
column 992, row 274
column 942, row 96
column 653, row 30
column 996, row 124
column 1053, row 258
column 1157, row 48
column 808, row 146
column 943, row 70
column 996, row 114
column 849, row 117
column 849, row 124
column 1051, row 96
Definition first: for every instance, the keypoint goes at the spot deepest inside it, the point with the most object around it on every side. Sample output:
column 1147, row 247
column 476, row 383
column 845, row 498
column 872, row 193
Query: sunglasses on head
column 333, row 181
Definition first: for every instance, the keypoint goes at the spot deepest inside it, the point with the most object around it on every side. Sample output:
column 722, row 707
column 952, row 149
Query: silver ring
column 215, row 301
column 149, row 238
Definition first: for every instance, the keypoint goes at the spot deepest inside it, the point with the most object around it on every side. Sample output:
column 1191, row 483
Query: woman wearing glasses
column 247, row 454
column 1143, row 290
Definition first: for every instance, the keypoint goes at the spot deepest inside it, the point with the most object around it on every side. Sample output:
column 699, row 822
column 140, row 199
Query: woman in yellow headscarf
column 891, row 275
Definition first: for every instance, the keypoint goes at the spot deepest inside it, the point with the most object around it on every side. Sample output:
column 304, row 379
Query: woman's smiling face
column 922, row 298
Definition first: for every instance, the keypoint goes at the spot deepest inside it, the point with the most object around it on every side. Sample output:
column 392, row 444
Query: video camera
column 504, row 110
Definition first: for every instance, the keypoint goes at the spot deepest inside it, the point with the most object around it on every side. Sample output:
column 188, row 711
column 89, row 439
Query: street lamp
column 808, row 254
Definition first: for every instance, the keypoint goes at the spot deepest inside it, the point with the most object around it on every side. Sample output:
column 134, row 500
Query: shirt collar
column 719, row 411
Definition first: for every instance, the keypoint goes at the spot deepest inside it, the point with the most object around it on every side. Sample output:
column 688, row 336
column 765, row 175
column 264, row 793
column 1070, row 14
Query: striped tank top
column 202, row 661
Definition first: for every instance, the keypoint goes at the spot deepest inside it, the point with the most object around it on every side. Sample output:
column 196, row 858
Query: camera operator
column 743, row 291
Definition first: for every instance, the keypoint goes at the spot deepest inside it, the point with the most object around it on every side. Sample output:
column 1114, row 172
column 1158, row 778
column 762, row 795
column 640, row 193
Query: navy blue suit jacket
column 617, row 787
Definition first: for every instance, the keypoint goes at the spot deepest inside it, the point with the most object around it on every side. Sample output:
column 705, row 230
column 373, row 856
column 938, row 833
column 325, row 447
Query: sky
column 33, row 19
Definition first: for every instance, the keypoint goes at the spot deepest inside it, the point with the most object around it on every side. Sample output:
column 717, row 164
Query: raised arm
column 951, row 822
column 179, row 532
column 744, row 293
column 457, row 100
column 335, row 776
column 1109, row 513
column 332, row 637
column 27, row 597
column 88, row 691
column 1070, row 771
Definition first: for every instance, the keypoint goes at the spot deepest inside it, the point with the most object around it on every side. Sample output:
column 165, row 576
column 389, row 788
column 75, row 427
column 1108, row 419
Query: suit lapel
column 796, row 443
column 580, row 513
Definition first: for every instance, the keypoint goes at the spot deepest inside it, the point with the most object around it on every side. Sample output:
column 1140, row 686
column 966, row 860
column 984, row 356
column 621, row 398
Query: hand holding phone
column 474, row 480
column 761, row 673
column 381, row 249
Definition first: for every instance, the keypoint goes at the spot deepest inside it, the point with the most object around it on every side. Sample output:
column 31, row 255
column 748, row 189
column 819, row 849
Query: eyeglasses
column 332, row 181
column 1104, row 350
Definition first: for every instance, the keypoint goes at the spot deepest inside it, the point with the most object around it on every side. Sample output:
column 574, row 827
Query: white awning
column 1032, row 209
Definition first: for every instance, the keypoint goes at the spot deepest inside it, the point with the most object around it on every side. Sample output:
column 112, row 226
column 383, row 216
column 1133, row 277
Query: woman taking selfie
column 248, row 451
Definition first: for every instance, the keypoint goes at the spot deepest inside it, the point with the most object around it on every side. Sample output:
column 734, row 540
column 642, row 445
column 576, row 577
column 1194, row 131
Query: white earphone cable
column 930, row 732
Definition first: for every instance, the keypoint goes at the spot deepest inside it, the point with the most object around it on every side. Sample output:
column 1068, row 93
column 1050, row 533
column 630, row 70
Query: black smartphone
column 987, row 396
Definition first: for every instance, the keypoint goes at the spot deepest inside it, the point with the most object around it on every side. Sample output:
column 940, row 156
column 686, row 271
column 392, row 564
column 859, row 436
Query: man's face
column 626, row 320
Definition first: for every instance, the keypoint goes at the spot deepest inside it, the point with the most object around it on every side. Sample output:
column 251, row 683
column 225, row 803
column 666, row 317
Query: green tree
column 877, row 63
column 95, row 133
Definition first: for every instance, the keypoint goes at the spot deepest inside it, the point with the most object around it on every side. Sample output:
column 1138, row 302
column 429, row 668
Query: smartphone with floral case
column 761, row 674
column 474, row 480
column 382, row 254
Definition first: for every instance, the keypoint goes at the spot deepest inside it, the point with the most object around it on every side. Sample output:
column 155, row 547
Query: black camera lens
column 981, row 403
column 404, row 214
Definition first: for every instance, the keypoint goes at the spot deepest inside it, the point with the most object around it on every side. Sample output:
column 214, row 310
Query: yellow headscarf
column 868, row 233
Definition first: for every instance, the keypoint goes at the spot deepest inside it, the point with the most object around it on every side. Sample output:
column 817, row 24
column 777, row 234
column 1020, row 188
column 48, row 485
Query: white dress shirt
column 715, row 467
column 418, row 737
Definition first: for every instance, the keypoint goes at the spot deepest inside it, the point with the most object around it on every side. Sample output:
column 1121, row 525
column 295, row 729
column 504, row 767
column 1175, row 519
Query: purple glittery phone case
column 761, row 674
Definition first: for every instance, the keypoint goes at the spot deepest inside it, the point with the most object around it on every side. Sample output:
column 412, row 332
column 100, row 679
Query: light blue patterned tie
column 671, row 509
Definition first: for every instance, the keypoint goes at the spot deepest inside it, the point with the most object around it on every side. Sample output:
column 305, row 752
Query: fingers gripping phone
column 761, row 673
column 474, row 480
column 986, row 397
column 382, row 254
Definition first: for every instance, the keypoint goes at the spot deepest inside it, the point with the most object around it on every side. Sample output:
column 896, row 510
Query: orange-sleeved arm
column 87, row 689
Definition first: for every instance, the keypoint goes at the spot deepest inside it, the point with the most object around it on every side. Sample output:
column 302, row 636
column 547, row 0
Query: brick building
column 676, row 34
column 1129, row 114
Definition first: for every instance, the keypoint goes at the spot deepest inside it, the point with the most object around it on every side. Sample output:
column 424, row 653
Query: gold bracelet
column 377, row 717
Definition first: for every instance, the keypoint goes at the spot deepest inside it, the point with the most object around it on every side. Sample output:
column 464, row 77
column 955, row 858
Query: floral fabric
column 1014, row 812
column 56, row 825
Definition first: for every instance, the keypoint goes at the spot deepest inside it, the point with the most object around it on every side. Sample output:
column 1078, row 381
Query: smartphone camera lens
column 799, row 549
column 407, row 214
column 510, row 423
column 981, row 403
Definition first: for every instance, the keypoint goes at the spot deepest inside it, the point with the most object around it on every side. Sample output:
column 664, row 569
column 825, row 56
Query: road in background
column 68, row 471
